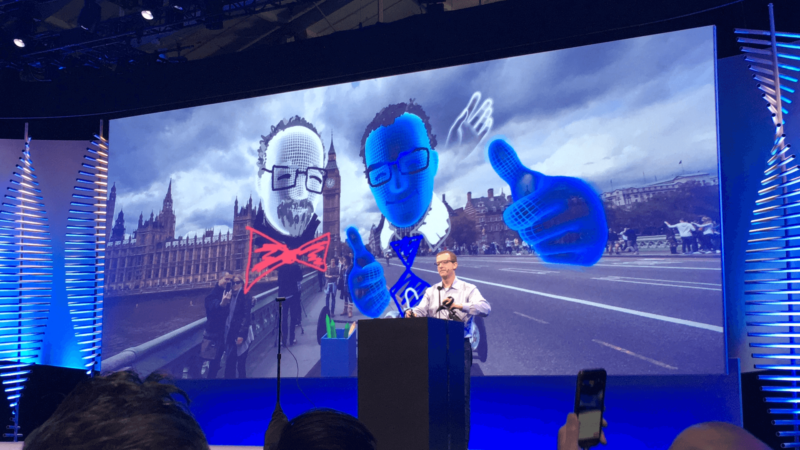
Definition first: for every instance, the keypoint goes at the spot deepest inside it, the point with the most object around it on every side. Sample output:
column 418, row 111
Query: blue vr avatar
column 401, row 165
column 401, row 162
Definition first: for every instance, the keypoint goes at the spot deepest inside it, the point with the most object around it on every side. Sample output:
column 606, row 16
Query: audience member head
column 716, row 436
column 325, row 429
column 120, row 412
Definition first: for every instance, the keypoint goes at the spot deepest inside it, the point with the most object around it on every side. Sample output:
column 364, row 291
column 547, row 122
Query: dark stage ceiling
column 217, row 50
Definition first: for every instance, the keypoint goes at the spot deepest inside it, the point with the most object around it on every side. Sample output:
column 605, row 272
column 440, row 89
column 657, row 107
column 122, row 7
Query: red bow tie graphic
column 275, row 254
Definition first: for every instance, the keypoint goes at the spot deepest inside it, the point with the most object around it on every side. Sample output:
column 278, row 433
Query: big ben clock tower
column 330, row 202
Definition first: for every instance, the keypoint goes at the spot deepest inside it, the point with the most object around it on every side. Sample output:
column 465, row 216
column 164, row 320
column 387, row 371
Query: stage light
column 147, row 14
column 24, row 29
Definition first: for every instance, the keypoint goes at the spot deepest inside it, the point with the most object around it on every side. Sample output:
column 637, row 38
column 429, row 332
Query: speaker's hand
column 366, row 282
column 562, row 218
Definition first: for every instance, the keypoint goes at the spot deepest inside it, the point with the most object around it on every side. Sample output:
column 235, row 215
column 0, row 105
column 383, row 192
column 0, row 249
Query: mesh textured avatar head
column 405, row 199
column 296, row 144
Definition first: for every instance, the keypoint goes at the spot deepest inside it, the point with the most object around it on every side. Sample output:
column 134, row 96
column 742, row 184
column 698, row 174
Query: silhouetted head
column 120, row 412
column 326, row 429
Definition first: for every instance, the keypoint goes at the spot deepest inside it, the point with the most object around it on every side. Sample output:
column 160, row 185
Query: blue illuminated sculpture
column 770, row 275
column 83, row 247
column 562, row 218
column 26, row 277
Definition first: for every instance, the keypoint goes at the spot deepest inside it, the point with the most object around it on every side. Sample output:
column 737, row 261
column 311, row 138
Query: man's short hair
column 326, row 429
column 120, row 412
column 453, row 256
column 387, row 116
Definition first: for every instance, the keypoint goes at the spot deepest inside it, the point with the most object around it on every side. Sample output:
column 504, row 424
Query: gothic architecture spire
column 110, row 206
column 330, row 201
column 118, row 232
column 168, row 198
column 331, row 157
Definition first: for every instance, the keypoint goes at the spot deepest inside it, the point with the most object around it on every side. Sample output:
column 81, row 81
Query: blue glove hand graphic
column 366, row 282
column 562, row 218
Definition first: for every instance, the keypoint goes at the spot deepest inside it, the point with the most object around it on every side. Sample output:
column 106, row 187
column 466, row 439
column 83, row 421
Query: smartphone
column 589, row 400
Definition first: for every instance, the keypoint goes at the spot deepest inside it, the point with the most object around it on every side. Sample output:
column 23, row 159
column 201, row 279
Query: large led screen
column 577, row 190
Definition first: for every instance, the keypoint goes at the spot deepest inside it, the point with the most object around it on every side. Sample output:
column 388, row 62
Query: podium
column 411, row 383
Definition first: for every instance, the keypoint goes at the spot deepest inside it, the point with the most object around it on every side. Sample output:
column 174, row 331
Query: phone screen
column 589, row 405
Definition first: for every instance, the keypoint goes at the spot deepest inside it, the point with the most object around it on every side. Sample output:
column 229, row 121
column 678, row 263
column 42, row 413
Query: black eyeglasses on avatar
column 285, row 177
column 408, row 163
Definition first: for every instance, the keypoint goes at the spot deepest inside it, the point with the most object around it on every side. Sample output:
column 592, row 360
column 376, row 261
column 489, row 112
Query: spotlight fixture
column 25, row 26
column 151, row 8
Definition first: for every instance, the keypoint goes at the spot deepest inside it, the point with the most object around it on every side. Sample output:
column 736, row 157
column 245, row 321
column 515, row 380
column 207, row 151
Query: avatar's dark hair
column 387, row 116
column 120, row 412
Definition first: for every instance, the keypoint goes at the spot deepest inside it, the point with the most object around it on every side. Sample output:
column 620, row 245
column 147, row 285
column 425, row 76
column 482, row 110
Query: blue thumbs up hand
column 562, row 218
column 366, row 282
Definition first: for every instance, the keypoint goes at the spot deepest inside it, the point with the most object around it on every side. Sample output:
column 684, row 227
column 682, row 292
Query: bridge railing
column 173, row 351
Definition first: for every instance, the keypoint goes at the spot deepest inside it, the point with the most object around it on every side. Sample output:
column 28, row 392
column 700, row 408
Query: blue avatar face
column 401, row 166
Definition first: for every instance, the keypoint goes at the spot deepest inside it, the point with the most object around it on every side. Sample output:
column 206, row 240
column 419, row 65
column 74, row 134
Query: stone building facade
column 151, row 259
column 627, row 196
column 487, row 212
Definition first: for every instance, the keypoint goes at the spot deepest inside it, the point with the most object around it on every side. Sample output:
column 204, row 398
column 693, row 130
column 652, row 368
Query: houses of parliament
column 152, row 260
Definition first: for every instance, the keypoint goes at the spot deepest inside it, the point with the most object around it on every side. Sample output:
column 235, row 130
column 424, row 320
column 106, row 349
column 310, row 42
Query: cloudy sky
column 626, row 111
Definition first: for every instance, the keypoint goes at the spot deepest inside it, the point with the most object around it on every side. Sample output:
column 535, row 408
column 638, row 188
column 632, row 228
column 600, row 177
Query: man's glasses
column 285, row 177
column 408, row 163
column 437, row 264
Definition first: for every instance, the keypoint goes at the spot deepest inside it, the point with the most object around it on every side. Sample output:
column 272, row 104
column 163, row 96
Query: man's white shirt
column 463, row 293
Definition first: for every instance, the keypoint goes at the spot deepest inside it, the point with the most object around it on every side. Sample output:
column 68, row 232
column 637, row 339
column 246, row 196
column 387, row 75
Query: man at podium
column 455, row 300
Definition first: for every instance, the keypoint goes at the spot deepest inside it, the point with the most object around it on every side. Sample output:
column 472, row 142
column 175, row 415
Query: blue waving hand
column 366, row 282
column 562, row 218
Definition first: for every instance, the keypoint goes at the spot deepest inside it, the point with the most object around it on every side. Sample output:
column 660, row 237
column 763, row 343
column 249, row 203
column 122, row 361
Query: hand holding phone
column 568, row 433
column 589, row 406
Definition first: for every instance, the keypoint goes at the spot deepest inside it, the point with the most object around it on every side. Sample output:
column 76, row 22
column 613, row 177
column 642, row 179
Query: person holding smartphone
column 216, row 314
column 228, row 325
column 584, row 427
